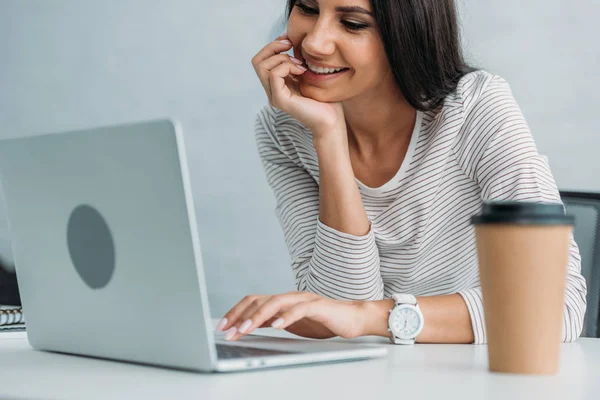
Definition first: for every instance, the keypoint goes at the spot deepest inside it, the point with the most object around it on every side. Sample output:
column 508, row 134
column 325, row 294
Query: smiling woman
column 379, row 143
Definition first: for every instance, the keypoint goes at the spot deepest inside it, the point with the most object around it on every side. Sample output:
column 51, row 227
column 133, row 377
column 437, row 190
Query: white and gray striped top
column 475, row 147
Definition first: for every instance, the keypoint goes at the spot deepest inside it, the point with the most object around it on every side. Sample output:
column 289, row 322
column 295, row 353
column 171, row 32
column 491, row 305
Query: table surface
column 414, row 372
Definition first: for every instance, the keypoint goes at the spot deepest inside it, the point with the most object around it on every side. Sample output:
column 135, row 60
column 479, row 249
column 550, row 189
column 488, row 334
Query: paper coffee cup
column 523, row 253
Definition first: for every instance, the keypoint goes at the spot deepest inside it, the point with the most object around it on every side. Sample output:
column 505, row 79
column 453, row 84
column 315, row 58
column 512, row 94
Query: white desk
column 409, row 372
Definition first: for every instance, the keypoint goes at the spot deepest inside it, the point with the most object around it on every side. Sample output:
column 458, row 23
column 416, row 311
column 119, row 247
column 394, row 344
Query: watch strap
column 400, row 298
column 396, row 340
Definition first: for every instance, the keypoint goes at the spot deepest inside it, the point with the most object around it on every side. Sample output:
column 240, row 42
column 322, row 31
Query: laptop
column 108, row 258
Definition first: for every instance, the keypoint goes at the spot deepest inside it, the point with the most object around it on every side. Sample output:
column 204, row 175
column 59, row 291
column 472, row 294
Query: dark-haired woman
column 379, row 143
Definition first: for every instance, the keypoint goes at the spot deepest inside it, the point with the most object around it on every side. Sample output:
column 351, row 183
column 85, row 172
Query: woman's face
column 338, row 34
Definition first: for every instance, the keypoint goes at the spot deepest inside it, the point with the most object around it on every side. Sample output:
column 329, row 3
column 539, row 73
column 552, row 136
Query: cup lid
column 499, row 212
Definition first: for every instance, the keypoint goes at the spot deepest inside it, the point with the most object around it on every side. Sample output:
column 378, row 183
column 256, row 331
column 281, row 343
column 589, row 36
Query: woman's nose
column 319, row 41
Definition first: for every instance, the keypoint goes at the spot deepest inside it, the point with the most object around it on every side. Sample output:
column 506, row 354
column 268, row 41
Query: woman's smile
column 319, row 72
column 312, row 76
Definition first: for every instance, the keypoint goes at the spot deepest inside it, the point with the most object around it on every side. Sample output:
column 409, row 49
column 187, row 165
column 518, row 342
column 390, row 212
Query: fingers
column 270, row 57
column 274, row 48
column 232, row 316
column 267, row 310
column 242, row 323
column 272, row 62
column 264, row 68
column 277, row 85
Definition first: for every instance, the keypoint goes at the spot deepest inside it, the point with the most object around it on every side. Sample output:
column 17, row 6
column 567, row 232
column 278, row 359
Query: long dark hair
column 421, row 40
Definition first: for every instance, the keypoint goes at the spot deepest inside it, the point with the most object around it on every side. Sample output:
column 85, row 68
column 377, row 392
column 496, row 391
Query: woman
column 379, row 143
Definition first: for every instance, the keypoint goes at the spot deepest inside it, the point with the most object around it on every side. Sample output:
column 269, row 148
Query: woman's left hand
column 301, row 313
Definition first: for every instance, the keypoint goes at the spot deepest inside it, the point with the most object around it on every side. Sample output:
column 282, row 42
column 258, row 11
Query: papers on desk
column 12, row 328
column 10, row 316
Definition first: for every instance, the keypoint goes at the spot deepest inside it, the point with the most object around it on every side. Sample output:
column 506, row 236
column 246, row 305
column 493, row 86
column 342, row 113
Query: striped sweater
column 477, row 146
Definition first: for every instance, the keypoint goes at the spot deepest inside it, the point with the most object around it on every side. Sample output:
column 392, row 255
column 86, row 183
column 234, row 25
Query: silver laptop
column 108, row 258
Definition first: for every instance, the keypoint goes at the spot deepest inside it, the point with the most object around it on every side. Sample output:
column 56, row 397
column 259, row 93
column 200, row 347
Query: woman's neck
column 379, row 118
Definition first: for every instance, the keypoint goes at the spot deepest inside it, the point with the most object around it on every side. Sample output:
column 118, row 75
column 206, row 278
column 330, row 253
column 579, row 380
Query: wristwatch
column 406, row 320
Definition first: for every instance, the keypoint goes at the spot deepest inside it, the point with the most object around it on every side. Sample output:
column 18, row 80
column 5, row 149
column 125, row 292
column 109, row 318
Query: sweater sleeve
column 324, row 261
column 502, row 158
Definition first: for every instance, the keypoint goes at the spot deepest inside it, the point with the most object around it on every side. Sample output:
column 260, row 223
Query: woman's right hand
column 276, row 71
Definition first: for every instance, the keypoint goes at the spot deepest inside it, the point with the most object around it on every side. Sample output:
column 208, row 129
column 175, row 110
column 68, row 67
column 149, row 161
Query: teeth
column 320, row 70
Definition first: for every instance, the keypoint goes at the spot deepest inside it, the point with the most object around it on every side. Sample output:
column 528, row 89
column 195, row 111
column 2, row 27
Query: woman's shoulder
column 478, row 87
column 489, row 110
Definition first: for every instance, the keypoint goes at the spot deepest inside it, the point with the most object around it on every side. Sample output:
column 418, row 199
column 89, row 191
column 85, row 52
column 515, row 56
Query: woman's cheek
column 294, row 32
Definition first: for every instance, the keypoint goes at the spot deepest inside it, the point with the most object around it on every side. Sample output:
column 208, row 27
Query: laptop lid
column 105, row 244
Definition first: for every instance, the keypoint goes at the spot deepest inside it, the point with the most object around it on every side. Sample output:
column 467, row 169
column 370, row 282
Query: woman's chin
column 318, row 94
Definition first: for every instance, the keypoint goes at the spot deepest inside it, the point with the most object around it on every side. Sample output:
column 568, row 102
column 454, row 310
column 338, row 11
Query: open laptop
column 107, row 253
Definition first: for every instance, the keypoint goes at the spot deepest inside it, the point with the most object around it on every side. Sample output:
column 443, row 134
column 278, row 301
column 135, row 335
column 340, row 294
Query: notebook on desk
column 10, row 315
column 102, row 224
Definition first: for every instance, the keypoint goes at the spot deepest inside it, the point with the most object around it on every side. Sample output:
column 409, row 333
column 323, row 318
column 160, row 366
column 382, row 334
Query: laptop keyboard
column 227, row 352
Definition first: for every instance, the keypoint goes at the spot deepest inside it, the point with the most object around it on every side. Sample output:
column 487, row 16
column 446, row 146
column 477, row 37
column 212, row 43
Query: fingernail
column 285, row 42
column 277, row 323
column 230, row 333
column 245, row 326
column 302, row 67
column 222, row 324
column 294, row 59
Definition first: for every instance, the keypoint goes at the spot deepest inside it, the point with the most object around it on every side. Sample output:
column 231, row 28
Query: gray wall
column 73, row 63
column 548, row 50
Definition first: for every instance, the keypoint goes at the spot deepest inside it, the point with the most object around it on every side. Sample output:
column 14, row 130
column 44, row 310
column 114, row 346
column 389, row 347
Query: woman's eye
column 354, row 26
column 306, row 10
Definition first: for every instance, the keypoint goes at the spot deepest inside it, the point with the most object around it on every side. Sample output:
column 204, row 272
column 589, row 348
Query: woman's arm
column 341, row 205
column 310, row 315
column 326, row 261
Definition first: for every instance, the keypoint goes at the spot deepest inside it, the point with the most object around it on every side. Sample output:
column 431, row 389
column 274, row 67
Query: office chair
column 586, row 209
column 9, row 291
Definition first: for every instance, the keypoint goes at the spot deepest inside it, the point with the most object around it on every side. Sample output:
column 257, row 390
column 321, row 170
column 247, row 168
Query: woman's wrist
column 375, row 316
column 326, row 135
column 332, row 149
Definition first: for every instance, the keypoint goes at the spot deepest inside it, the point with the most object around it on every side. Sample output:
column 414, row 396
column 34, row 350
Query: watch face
column 405, row 322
